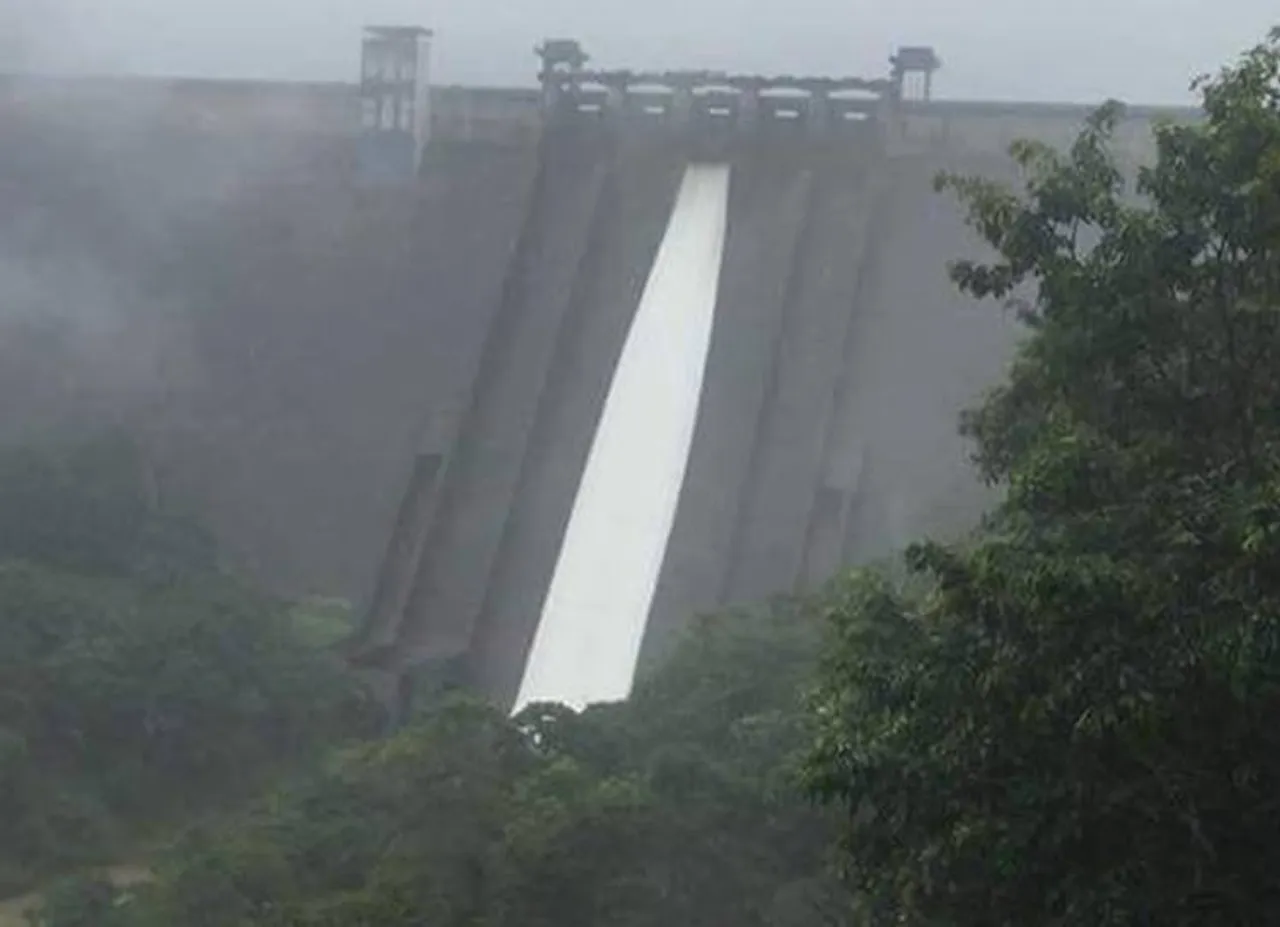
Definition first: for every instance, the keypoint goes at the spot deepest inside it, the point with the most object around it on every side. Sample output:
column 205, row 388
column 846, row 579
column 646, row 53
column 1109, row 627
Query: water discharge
column 594, row 616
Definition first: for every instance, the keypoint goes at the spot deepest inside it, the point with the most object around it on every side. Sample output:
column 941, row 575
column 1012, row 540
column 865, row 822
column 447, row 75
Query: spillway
column 697, row 388
column 597, row 605
column 657, row 422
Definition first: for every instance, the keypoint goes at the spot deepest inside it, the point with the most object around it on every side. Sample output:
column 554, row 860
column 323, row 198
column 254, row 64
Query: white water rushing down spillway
column 594, row 616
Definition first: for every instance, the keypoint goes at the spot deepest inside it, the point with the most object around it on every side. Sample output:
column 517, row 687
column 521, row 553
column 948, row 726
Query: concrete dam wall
column 392, row 393
column 839, row 358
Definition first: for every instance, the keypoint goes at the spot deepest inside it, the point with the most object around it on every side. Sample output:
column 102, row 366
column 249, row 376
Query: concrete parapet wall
column 247, row 108
column 469, row 113
column 965, row 130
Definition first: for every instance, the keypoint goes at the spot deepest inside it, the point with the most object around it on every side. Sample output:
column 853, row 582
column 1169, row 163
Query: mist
column 105, row 215
column 134, row 291
column 1140, row 50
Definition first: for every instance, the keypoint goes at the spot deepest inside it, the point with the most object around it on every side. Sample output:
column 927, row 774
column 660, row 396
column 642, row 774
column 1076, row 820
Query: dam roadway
column 392, row 394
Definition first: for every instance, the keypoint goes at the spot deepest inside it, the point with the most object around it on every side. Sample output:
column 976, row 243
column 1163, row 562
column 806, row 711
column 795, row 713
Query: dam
column 533, row 375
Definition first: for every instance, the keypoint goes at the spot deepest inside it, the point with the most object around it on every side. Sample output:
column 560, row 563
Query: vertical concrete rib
column 789, row 452
column 479, row 482
column 845, row 456
column 922, row 352
column 766, row 209
column 634, row 213
column 400, row 562
column 455, row 247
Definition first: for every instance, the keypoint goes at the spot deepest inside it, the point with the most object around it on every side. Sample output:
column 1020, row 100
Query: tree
column 137, row 683
column 90, row 505
column 1075, row 724
column 125, row 704
column 681, row 805
column 677, row 807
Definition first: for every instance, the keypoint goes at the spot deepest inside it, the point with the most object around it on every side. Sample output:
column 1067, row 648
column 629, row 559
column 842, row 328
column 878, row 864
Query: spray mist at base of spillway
column 597, row 606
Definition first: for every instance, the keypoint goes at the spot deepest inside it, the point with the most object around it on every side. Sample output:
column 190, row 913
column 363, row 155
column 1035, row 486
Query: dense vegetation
column 677, row 805
column 1077, row 724
column 137, row 683
column 1067, row 720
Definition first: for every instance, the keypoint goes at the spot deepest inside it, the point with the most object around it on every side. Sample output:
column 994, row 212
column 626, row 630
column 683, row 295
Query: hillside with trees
column 139, row 684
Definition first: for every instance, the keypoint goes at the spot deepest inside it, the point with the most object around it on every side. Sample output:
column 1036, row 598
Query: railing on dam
column 707, row 101
column 719, row 102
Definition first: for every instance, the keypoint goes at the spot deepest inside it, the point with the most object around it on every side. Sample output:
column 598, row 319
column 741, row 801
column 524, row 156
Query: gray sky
column 1138, row 50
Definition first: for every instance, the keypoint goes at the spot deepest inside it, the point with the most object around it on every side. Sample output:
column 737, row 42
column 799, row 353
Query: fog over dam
column 411, row 345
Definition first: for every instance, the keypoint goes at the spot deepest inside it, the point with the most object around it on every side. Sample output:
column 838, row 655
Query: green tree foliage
column 91, row 506
column 123, row 705
column 677, row 807
column 137, row 685
column 1076, row 723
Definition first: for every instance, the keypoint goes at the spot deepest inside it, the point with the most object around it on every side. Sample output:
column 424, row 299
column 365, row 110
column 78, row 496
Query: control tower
column 395, row 115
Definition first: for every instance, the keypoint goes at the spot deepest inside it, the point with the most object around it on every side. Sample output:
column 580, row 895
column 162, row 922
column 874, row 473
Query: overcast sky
column 1083, row 50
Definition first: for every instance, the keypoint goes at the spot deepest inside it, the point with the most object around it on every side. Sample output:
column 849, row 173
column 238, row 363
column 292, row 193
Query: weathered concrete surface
column 823, row 299
column 566, row 212
column 919, row 352
column 770, row 197
column 463, row 252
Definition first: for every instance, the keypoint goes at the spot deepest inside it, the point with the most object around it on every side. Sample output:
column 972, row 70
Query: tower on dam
column 661, row 417
column 395, row 114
